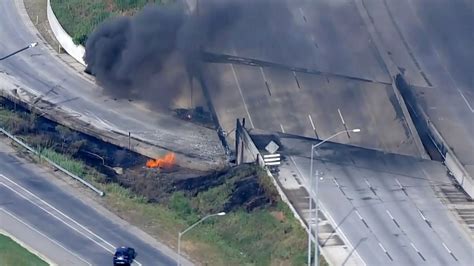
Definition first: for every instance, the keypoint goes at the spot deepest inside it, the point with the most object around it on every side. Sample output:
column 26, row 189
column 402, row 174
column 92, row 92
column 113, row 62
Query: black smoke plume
column 154, row 54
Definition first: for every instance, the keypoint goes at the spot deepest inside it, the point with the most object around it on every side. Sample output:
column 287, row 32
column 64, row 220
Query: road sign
column 271, row 159
column 272, row 147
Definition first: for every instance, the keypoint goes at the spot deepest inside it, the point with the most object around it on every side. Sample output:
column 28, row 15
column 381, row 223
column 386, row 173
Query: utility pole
column 316, row 195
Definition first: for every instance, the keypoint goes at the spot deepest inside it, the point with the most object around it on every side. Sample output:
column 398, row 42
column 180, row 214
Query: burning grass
column 166, row 162
column 259, row 229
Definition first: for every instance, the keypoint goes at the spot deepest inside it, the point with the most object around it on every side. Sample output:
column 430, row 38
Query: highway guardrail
column 26, row 146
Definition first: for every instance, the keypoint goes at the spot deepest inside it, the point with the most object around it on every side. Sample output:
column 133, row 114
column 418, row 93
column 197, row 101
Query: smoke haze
column 153, row 55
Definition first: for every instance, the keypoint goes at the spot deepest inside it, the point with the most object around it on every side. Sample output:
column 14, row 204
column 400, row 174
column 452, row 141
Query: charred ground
column 164, row 202
column 246, row 185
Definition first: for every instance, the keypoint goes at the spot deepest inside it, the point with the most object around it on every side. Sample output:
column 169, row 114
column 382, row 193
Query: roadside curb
column 63, row 58
column 77, row 178
column 27, row 247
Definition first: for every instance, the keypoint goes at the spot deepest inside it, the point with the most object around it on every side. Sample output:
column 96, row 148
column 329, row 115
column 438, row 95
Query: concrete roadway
column 431, row 42
column 309, row 105
column 315, row 106
column 74, row 232
column 38, row 71
column 405, row 234
column 307, row 34
column 380, row 201
column 303, row 33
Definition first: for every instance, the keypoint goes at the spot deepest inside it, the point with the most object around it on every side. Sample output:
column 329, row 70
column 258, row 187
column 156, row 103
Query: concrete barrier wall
column 76, row 51
column 424, row 125
column 459, row 173
column 248, row 152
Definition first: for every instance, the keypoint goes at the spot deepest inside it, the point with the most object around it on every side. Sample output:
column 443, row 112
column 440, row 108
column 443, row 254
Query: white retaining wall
column 76, row 51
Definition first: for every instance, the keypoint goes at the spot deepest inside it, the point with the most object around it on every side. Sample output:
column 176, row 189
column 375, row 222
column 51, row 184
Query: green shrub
column 76, row 167
column 181, row 205
column 212, row 200
column 19, row 123
column 80, row 17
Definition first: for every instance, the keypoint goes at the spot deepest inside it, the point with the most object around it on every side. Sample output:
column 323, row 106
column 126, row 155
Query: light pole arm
column 315, row 193
column 31, row 45
column 180, row 234
column 327, row 139
column 196, row 223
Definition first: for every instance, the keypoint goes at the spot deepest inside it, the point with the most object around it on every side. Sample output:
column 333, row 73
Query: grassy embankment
column 261, row 237
column 264, row 236
column 12, row 254
column 79, row 17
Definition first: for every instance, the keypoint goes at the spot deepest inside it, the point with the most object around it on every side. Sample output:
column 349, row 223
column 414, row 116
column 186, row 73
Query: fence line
column 24, row 145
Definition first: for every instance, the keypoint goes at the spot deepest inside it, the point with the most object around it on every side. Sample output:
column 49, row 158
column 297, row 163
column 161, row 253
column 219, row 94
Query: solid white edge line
column 63, row 214
column 53, row 215
column 42, row 234
column 242, row 95
column 331, row 220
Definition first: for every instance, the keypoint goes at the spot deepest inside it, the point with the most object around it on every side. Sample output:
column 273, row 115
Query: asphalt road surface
column 37, row 70
column 315, row 106
column 328, row 36
column 350, row 86
column 332, row 37
column 431, row 42
column 386, row 205
column 72, row 229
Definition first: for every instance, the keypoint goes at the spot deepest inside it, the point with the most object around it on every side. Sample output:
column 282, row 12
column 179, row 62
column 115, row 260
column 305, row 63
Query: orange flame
column 167, row 161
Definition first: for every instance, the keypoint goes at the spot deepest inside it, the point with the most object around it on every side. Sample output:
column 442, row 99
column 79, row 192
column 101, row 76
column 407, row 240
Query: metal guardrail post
column 24, row 145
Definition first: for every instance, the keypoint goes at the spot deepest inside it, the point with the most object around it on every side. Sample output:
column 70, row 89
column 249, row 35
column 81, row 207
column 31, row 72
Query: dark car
column 124, row 256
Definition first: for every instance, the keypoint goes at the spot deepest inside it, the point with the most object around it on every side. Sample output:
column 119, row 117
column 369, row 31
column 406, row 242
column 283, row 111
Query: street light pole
column 316, row 219
column 180, row 234
column 310, row 207
column 31, row 45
